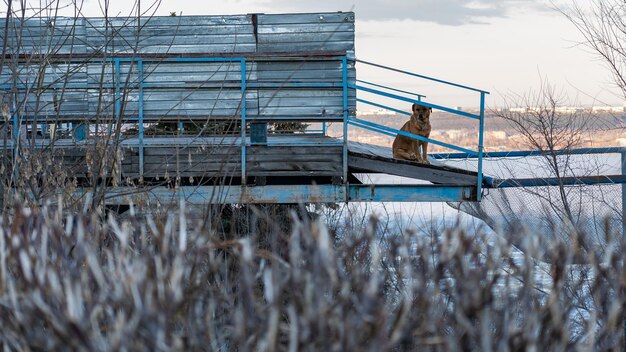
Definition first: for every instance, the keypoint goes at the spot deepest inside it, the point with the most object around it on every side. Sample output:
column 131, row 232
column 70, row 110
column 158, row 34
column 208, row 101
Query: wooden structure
column 176, row 98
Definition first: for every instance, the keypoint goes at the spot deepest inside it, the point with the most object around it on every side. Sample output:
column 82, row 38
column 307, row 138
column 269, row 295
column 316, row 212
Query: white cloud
column 446, row 12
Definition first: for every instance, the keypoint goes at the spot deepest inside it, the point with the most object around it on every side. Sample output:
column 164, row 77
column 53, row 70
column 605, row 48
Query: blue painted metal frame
column 414, row 101
column 480, row 145
column 420, row 76
column 623, row 160
column 289, row 194
column 16, row 131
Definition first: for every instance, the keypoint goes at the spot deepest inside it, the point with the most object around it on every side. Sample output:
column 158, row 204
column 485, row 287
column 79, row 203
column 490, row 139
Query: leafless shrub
column 554, row 133
column 73, row 281
column 602, row 25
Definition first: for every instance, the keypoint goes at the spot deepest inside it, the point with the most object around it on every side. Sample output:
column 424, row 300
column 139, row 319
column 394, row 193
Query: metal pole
column 623, row 157
column 16, row 131
column 16, row 139
column 118, row 103
column 141, row 156
column 344, row 63
column 624, row 194
column 243, row 121
column 480, row 147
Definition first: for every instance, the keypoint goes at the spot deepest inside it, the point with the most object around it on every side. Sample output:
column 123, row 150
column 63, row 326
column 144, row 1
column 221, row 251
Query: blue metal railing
column 119, row 86
column 391, row 93
column 347, row 86
column 141, row 85
column 419, row 96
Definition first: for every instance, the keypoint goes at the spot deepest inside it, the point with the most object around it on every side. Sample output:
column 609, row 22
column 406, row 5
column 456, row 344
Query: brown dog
column 408, row 148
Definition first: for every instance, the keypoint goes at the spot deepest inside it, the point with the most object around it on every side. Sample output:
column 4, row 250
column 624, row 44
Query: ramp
column 367, row 158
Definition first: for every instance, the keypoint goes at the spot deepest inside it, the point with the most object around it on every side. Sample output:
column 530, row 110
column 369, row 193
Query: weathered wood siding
column 281, row 50
column 312, row 32
column 222, row 158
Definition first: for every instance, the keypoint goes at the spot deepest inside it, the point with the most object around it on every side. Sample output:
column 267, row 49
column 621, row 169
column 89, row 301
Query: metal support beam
column 411, row 193
column 287, row 194
column 199, row 195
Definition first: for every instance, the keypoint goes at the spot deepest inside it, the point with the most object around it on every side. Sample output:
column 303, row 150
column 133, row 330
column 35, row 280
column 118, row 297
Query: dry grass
column 78, row 282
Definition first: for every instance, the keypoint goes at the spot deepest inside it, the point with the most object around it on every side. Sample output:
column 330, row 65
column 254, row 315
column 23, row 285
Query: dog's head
column 421, row 112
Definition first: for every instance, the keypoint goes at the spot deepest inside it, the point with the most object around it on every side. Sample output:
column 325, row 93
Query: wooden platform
column 302, row 159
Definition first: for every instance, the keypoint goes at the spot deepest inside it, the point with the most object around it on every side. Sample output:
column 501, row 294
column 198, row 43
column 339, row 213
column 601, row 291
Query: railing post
column 344, row 77
column 623, row 160
column 118, row 103
column 243, row 121
column 16, row 138
column 140, row 118
column 481, row 131
column 624, row 193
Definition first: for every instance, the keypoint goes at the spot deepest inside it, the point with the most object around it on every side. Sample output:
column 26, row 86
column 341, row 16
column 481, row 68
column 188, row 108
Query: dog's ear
column 413, row 107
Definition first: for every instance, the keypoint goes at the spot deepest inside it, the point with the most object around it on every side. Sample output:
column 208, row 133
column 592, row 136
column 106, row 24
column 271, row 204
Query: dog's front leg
column 425, row 152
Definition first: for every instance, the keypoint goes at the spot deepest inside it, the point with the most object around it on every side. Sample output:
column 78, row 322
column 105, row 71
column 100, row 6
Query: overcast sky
column 503, row 46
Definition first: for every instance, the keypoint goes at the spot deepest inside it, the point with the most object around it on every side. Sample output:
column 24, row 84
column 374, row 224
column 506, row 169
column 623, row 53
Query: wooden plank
column 322, row 27
column 172, row 21
column 293, row 173
column 306, row 32
column 210, row 35
column 301, row 176
column 286, row 151
column 185, row 152
column 293, row 166
column 300, row 38
column 198, row 172
column 182, row 160
column 292, row 158
column 319, row 46
column 299, row 18
column 199, row 167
